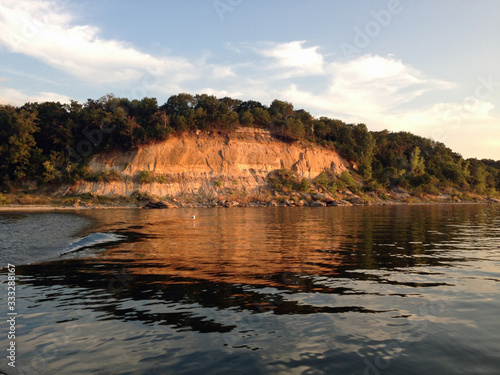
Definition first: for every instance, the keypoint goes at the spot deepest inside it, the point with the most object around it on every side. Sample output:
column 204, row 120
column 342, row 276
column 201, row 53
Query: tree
column 478, row 175
column 307, row 120
column 145, row 110
column 180, row 104
column 55, row 126
column 127, row 136
column 248, row 105
column 261, row 117
column 232, row 104
column 246, row 118
column 364, row 145
column 295, row 128
column 211, row 107
column 417, row 164
column 18, row 143
column 280, row 111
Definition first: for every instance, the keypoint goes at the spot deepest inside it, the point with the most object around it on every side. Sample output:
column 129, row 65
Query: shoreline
column 46, row 208
column 21, row 207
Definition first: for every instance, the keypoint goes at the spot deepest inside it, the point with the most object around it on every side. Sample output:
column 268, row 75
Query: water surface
column 334, row 290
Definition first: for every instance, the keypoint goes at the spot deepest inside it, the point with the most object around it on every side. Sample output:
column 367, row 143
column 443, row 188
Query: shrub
column 283, row 180
column 104, row 176
column 69, row 201
column 348, row 179
column 304, row 185
column 327, row 181
column 431, row 189
column 218, row 181
column 145, row 177
column 112, row 175
column 4, row 199
column 140, row 196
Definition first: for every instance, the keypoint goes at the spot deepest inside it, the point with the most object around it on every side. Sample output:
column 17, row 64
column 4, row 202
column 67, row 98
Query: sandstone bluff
column 208, row 164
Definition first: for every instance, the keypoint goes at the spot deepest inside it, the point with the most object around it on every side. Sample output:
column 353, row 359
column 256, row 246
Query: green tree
column 232, row 104
column 280, row 112
column 295, row 128
column 211, row 107
column 248, row 105
column 478, row 176
column 17, row 141
column 417, row 163
column 247, row 118
column 55, row 126
column 363, row 147
column 179, row 104
column 261, row 117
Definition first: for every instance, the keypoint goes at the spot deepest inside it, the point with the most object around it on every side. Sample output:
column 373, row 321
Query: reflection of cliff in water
column 173, row 268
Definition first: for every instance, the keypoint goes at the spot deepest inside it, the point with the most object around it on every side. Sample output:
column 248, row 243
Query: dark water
column 338, row 290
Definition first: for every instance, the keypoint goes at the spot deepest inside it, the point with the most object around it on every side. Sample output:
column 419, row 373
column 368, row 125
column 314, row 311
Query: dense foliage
column 53, row 141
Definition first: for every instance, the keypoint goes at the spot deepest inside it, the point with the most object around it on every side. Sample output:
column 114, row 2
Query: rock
column 354, row 199
column 443, row 197
column 273, row 204
column 493, row 200
column 322, row 197
column 155, row 203
column 317, row 204
column 342, row 203
column 301, row 203
column 339, row 203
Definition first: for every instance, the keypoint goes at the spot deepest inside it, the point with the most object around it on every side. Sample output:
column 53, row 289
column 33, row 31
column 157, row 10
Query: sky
column 427, row 67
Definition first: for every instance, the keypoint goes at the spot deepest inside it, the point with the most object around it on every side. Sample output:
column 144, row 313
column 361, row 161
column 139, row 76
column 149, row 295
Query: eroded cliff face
column 207, row 164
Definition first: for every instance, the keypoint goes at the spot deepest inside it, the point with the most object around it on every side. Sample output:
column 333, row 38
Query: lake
column 329, row 290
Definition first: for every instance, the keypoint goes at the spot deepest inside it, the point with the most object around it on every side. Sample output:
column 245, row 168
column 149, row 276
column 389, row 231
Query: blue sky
column 431, row 68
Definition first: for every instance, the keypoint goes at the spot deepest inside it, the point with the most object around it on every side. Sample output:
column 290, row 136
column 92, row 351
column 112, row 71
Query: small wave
column 92, row 240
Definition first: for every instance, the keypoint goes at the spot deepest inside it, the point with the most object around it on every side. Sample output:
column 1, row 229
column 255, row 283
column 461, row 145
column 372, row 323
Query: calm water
column 338, row 290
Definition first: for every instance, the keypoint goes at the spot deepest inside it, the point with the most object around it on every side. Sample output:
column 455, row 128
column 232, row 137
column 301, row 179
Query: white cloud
column 44, row 30
column 221, row 71
column 381, row 91
column 367, row 88
column 293, row 59
column 17, row 98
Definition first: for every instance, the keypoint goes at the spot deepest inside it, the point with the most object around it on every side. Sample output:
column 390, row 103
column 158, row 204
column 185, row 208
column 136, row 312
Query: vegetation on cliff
column 52, row 142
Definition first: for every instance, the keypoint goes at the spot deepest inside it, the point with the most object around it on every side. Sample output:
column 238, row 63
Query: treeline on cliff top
column 52, row 142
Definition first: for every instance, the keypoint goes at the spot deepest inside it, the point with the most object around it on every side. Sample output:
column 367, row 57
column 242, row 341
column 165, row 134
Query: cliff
column 208, row 164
